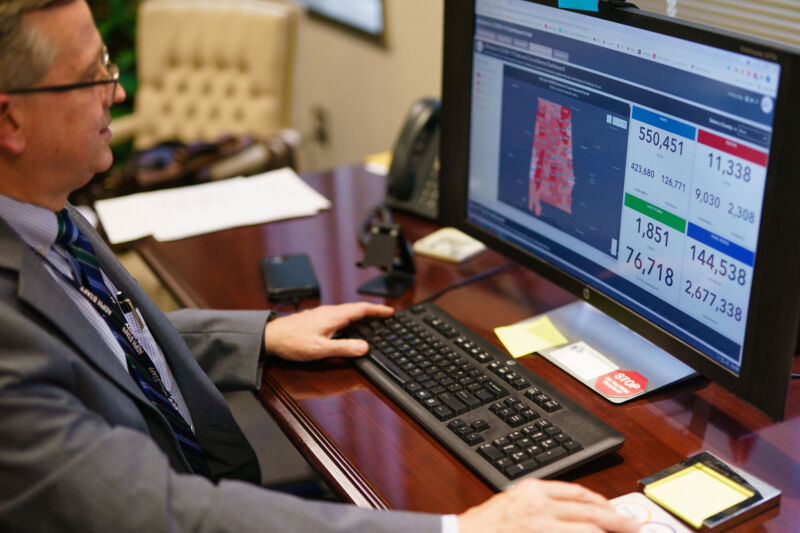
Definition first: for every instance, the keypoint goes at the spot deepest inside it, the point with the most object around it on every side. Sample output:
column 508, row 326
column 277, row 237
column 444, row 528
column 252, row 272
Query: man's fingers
column 358, row 310
column 339, row 316
column 561, row 490
column 344, row 348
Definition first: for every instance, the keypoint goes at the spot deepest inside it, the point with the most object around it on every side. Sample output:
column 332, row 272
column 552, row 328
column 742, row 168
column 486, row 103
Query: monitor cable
column 467, row 281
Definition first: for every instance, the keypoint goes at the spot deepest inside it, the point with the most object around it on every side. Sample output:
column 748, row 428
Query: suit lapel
column 38, row 288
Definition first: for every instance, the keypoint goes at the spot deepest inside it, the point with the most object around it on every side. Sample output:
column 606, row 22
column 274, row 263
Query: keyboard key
column 515, row 421
column 490, row 453
column 463, row 430
column 551, row 406
column 515, row 436
column 533, row 450
column 455, row 423
column 480, row 425
column 474, row 387
column 538, row 436
column 525, row 442
column 502, row 441
column 571, row 446
column 511, row 401
column 505, row 413
column 484, row 395
column 551, row 456
column 471, row 401
column 431, row 403
column 530, row 465
column 473, row 438
column 532, row 393
column 495, row 389
column 422, row 395
column 453, row 403
column 426, row 381
column 519, row 456
column 413, row 386
column 502, row 464
column 497, row 407
column 520, row 469
column 520, row 383
column 548, row 444
column 443, row 413
column 455, row 387
column 484, row 357
column 508, row 449
column 541, row 398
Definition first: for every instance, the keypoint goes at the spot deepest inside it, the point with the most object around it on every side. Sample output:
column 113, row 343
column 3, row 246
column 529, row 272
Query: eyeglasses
column 110, row 82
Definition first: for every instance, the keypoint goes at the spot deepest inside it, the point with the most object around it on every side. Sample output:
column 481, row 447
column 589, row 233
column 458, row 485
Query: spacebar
column 389, row 367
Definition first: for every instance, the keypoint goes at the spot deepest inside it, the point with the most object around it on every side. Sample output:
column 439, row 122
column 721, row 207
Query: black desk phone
column 413, row 181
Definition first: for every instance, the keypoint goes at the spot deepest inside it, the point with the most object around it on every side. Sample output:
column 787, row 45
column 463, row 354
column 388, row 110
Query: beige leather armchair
column 210, row 67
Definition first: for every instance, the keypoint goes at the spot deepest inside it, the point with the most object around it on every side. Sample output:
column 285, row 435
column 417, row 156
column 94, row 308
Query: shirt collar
column 37, row 225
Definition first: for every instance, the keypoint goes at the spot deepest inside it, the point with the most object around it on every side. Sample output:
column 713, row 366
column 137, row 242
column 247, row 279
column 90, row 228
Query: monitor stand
column 608, row 357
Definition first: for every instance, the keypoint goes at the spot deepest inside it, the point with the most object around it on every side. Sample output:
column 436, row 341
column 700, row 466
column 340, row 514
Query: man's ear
column 11, row 137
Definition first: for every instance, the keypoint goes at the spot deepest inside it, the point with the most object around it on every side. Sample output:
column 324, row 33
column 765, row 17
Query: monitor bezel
column 773, row 318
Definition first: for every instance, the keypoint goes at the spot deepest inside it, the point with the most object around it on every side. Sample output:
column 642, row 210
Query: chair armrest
column 124, row 128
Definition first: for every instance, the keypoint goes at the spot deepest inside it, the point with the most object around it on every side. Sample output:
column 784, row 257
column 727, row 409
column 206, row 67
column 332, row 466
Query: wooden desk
column 374, row 455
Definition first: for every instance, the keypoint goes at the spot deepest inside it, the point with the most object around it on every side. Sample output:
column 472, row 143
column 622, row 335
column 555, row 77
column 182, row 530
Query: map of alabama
column 551, row 174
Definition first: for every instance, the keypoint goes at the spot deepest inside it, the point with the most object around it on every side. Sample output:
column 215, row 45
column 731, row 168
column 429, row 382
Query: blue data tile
column 583, row 5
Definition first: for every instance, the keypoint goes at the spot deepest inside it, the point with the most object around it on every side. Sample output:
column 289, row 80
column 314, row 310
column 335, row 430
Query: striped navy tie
column 86, row 267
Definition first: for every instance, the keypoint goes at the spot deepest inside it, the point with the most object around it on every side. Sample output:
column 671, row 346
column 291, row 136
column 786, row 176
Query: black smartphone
column 289, row 277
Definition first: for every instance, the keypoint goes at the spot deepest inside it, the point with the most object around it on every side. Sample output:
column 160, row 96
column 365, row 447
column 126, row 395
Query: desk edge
column 343, row 477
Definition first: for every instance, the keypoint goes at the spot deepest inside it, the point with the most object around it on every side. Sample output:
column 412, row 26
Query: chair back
column 211, row 67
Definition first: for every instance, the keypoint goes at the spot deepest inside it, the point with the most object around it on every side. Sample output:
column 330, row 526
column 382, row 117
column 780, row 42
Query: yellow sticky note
column 696, row 493
column 381, row 158
column 527, row 337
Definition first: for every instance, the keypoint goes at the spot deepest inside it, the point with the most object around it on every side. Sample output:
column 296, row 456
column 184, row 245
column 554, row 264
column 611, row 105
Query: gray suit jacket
column 82, row 449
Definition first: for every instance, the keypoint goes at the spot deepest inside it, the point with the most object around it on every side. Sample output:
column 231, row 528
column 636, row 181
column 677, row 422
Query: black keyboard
column 499, row 418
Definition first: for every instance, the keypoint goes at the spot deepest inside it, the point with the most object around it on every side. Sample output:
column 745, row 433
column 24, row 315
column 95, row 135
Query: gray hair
column 25, row 54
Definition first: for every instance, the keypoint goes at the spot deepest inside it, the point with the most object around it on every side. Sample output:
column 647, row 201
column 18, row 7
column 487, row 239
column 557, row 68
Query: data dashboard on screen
column 633, row 161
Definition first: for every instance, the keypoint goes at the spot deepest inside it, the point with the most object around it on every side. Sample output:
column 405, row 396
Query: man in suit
column 111, row 417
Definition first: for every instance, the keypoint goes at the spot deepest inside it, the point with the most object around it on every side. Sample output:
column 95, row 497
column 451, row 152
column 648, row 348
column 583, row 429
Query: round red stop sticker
column 621, row 384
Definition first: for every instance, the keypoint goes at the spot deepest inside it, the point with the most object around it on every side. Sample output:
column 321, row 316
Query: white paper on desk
column 188, row 211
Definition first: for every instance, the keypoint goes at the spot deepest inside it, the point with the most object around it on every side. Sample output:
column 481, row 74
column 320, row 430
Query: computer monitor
column 645, row 164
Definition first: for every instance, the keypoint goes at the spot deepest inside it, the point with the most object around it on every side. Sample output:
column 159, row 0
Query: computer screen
column 643, row 163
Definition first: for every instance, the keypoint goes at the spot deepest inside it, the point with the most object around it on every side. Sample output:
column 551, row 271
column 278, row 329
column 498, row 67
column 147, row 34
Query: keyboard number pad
column 527, row 449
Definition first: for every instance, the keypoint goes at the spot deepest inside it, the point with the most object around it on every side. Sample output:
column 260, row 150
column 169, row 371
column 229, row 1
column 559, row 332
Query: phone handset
column 413, row 175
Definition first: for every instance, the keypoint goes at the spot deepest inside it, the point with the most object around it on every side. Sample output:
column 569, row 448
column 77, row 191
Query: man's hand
column 545, row 507
column 306, row 336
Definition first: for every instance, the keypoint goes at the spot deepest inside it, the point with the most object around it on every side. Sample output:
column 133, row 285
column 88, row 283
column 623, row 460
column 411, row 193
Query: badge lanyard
column 116, row 316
